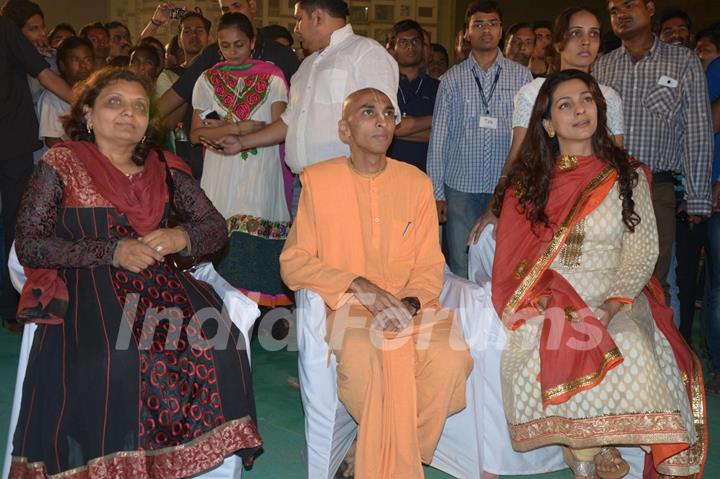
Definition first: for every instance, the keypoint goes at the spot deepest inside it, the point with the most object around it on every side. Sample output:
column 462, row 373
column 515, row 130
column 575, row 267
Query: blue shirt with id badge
column 472, row 130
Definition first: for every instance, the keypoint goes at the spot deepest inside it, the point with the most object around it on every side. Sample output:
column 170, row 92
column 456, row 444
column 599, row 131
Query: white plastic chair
column 467, row 445
column 242, row 312
column 500, row 457
column 329, row 429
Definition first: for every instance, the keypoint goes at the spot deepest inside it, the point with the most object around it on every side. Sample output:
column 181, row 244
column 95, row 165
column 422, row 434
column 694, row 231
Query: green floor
column 280, row 414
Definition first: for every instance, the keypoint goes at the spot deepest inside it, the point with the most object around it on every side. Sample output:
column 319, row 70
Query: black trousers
column 689, row 245
column 15, row 172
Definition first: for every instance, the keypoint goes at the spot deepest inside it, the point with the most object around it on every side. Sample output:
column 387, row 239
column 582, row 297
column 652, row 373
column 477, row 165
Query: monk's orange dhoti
column 399, row 387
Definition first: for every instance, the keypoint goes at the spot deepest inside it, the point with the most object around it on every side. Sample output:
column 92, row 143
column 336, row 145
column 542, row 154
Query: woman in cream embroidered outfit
column 592, row 358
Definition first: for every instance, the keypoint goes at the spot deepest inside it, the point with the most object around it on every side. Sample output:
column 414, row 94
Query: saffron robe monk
column 366, row 239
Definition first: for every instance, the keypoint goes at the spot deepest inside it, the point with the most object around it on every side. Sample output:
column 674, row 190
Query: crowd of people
column 359, row 170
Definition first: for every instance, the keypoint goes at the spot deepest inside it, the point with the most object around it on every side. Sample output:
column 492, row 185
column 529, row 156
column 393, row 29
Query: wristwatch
column 412, row 302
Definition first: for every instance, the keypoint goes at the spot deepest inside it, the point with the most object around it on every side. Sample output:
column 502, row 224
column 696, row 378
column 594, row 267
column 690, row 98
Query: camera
column 177, row 13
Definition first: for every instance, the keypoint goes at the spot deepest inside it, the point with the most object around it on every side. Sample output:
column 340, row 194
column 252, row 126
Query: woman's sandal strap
column 621, row 469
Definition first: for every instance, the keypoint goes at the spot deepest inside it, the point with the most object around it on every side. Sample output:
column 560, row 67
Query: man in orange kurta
column 366, row 239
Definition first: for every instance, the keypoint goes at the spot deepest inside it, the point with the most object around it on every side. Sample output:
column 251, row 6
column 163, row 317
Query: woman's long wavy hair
column 532, row 171
column 87, row 92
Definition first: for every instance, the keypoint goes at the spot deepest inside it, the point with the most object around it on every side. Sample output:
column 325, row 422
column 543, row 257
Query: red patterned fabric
column 242, row 89
column 179, row 396
column 78, row 189
column 134, row 405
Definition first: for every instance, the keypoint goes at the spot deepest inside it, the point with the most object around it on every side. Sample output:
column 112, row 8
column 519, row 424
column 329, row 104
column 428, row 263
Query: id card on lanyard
column 486, row 120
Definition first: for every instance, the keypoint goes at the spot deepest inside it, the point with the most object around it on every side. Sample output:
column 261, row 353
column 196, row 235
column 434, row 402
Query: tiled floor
column 280, row 414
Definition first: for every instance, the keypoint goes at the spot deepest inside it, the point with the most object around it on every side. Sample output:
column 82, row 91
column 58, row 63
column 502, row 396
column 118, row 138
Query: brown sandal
column 608, row 454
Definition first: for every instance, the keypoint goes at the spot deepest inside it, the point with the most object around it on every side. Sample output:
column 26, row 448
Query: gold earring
column 551, row 133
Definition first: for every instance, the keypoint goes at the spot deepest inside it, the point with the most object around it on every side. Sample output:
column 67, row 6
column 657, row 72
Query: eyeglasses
column 489, row 24
column 406, row 42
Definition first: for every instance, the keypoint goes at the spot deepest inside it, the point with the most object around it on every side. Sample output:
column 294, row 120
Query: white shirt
column 319, row 87
column 49, row 110
column 525, row 101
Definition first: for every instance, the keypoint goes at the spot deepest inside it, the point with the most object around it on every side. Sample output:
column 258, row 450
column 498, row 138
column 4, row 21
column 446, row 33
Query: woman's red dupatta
column 44, row 297
column 521, row 276
column 576, row 350
column 691, row 369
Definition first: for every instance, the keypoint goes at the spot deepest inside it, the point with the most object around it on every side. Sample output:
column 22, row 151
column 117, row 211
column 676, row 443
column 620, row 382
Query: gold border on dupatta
column 691, row 461
column 581, row 382
column 698, row 408
column 555, row 244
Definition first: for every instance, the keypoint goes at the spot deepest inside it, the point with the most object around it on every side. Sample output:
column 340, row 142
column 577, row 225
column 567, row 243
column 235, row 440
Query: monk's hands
column 389, row 313
column 393, row 319
column 166, row 241
column 133, row 255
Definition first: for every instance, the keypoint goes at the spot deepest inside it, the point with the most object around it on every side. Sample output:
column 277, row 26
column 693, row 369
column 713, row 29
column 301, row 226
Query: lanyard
column 486, row 99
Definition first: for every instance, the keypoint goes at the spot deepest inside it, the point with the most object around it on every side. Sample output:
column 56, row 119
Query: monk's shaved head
column 361, row 97
column 368, row 122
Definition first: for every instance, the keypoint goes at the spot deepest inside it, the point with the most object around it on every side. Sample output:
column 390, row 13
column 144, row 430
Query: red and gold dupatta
column 522, row 275
column 576, row 350
column 691, row 371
